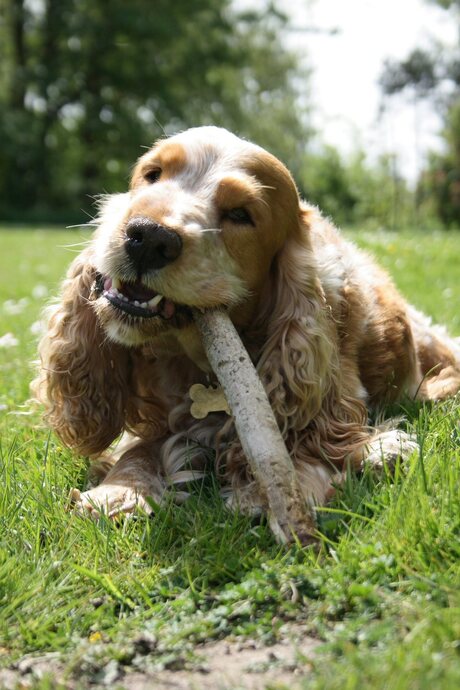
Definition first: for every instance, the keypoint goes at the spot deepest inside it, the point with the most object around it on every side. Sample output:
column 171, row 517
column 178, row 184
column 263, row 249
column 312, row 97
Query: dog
column 213, row 221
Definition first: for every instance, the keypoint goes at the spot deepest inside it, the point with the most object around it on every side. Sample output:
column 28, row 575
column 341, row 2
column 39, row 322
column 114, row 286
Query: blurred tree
column 446, row 3
column 435, row 74
column 417, row 71
column 85, row 83
column 439, row 184
column 352, row 192
column 325, row 182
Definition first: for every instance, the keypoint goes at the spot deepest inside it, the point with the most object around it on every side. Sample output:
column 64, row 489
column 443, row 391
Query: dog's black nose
column 150, row 245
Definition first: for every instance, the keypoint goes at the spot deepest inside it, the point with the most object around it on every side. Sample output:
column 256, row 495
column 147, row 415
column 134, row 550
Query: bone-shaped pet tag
column 207, row 399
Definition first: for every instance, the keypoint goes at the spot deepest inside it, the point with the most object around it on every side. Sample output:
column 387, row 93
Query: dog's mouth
column 135, row 299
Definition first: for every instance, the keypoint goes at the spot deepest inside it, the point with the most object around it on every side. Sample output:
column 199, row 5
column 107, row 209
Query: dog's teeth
column 136, row 303
column 116, row 284
column 144, row 305
column 155, row 301
column 125, row 299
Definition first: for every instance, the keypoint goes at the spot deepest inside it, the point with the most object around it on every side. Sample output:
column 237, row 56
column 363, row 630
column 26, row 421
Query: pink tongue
column 137, row 291
column 168, row 309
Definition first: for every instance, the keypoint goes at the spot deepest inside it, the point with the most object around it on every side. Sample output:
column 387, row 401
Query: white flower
column 37, row 328
column 39, row 291
column 8, row 340
column 13, row 307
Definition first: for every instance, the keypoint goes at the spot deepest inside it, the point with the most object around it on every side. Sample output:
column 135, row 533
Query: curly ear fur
column 299, row 364
column 83, row 377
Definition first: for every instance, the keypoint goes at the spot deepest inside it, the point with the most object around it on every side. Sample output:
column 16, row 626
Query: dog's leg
column 315, row 481
column 439, row 359
column 134, row 477
column 101, row 465
column 139, row 469
column 320, row 481
column 387, row 447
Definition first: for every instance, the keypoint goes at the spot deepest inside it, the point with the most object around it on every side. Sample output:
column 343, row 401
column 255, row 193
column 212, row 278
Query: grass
column 382, row 592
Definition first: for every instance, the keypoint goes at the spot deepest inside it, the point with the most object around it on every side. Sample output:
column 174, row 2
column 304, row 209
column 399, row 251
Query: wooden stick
column 266, row 453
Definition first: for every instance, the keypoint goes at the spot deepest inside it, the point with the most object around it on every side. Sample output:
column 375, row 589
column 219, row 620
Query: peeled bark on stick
column 266, row 453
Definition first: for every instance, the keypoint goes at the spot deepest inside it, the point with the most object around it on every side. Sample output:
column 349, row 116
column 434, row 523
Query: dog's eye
column 238, row 215
column 152, row 175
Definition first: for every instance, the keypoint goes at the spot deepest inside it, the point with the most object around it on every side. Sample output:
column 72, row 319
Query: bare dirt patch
column 222, row 665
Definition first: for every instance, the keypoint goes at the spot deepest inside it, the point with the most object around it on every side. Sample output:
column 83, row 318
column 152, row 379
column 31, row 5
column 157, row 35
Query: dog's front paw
column 110, row 499
column 244, row 499
column 389, row 447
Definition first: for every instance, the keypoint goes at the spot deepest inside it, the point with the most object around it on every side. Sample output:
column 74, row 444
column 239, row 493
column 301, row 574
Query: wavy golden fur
column 214, row 221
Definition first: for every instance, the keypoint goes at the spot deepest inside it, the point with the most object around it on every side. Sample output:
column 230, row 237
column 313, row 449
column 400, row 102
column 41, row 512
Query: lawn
column 381, row 594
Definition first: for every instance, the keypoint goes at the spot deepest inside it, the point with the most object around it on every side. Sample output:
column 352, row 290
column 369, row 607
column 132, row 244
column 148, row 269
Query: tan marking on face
column 273, row 203
column 170, row 158
column 280, row 191
column 154, row 207
column 236, row 192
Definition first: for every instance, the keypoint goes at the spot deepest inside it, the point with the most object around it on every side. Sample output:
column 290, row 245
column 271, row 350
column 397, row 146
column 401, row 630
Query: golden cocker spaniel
column 211, row 220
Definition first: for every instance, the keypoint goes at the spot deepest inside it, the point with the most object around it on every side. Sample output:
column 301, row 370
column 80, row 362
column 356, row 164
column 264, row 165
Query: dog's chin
column 132, row 329
column 132, row 313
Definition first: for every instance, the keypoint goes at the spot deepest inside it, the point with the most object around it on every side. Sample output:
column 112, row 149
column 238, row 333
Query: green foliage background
column 85, row 85
column 434, row 75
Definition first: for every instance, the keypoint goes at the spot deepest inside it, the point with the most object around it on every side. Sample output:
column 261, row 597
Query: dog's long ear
column 83, row 377
column 297, row 363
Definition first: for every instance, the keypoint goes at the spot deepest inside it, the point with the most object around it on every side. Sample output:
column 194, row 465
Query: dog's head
column 205, row 216
column 209, row 221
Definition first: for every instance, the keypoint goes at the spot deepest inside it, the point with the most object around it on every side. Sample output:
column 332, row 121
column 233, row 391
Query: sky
column 347, row 65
